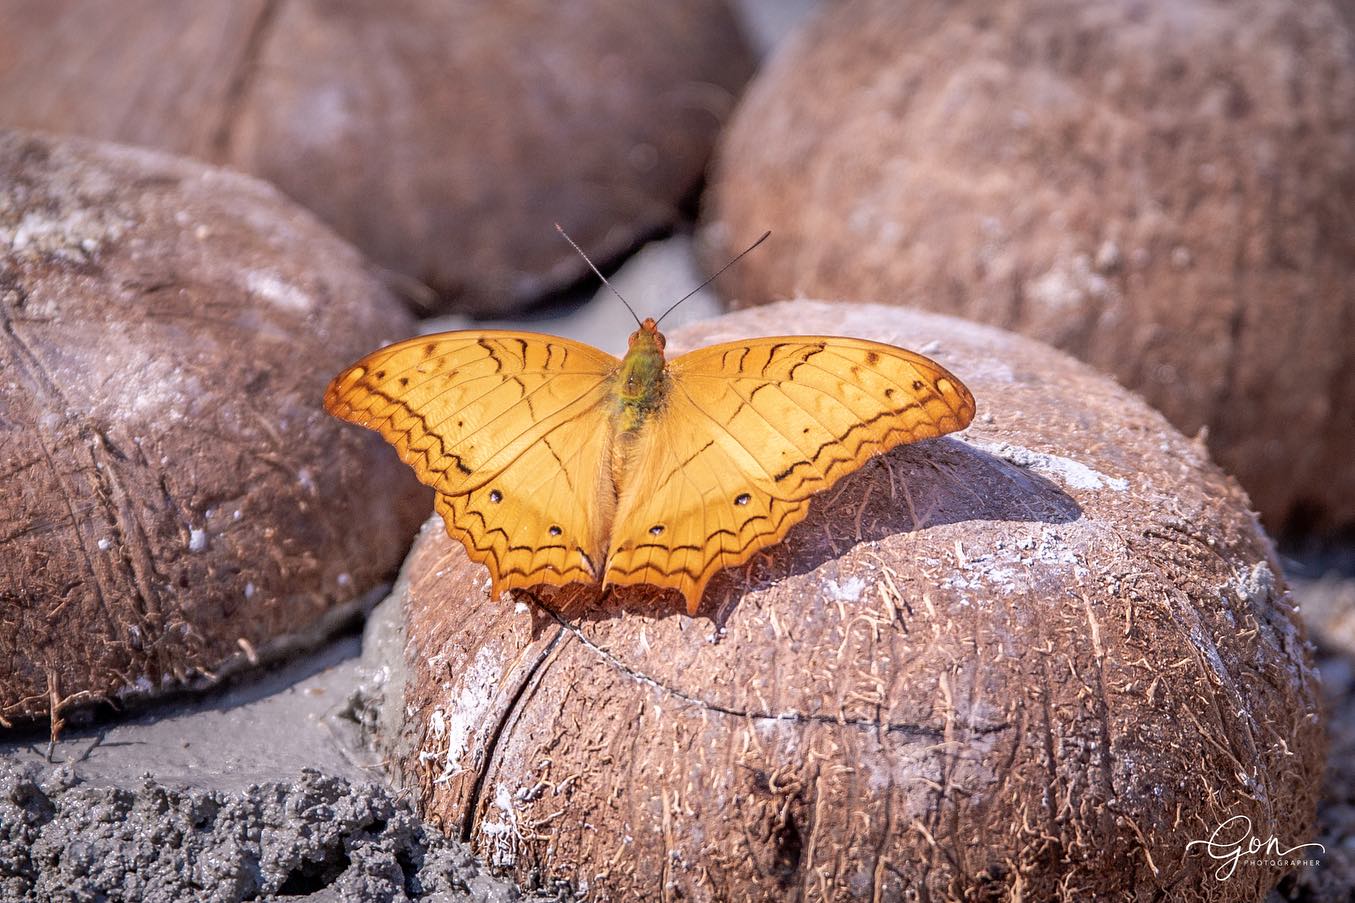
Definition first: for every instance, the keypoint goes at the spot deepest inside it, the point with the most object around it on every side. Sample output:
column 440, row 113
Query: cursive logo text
column 1233, row 842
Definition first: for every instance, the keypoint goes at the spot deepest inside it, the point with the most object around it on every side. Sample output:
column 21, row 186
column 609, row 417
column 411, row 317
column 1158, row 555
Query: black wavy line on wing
column 373, row 424
column 489, row 551
column 792, row 508
column 797, row 504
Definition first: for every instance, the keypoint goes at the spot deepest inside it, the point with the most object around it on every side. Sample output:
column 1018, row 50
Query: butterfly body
column 556, row 463
column 640, row 382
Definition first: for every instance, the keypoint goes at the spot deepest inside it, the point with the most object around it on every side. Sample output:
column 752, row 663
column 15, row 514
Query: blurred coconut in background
column 1165, row 189
column 175, row 501
column 1034, row 659
column 443, row 138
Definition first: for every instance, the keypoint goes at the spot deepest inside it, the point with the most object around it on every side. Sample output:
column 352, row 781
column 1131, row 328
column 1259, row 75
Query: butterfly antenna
column 560, row 229
column 716, row 275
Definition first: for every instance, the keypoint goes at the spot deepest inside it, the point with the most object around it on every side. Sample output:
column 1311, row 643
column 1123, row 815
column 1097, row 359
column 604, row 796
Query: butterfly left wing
column 748, row 432
column 512, row 430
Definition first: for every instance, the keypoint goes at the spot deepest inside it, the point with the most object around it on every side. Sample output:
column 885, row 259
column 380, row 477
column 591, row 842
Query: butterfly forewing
column 512, row 430
column 749, row 431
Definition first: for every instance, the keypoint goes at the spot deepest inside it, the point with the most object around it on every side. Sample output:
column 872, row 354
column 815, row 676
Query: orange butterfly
column 556, row 463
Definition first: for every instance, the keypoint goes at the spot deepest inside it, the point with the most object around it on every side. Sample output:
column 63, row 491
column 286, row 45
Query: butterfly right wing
column 512, row 430
column 749, row 432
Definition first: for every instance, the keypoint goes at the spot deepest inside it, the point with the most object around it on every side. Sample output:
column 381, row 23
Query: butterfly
column 554, row 462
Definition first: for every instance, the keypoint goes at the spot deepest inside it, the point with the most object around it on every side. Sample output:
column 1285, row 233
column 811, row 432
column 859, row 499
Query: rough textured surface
column 263, row 730
column 176, row 501
column 318, row 838
column 260, row 787
column 442, row 138
column 1165, row 189
column 1326, row 589
column 1040, row 658
column 1333, row 881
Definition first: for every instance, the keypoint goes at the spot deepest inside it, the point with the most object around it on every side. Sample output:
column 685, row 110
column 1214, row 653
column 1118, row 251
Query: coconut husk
column 1032, row 660
column 441, row 138
column 174, row 501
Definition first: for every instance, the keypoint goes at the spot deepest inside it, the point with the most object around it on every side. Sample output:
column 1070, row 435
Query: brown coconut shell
column 1165, row 190
column 174, row 501
column 443, row 138
column 1030, row 661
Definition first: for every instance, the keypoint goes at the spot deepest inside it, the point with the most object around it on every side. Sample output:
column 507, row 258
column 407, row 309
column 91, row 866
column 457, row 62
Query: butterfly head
column 648, row 337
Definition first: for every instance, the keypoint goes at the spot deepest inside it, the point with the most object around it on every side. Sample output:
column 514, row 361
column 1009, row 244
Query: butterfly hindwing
column 543, row 518
column 689, row 507
column 512, row 430
column 748, row 431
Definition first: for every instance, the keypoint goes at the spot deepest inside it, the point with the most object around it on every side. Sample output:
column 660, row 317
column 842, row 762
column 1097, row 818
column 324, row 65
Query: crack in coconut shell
column 243, row 79
column 508, row 715
column 892, row 727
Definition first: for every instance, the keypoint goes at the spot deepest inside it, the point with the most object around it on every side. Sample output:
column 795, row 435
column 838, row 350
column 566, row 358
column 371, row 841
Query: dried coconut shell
column 1032, row 660
column 443, row 138
column 174, row 502
column 1165, row 190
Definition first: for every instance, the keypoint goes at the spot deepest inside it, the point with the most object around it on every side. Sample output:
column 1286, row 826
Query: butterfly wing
column 512, row 430
column 748, row 432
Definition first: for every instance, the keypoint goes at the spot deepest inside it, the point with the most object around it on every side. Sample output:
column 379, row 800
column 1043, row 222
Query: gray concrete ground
column 654, row 278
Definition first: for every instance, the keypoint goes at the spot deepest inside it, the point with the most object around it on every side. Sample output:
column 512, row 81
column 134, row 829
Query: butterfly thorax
column 642, row 381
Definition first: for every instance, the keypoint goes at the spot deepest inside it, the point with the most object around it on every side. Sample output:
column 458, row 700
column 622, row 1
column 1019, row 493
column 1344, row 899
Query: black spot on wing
column 731, row 551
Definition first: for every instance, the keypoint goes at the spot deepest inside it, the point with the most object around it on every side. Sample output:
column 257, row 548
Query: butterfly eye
column 554, row 530
column 743, row 499
column 495, row 496
column 656, row 529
